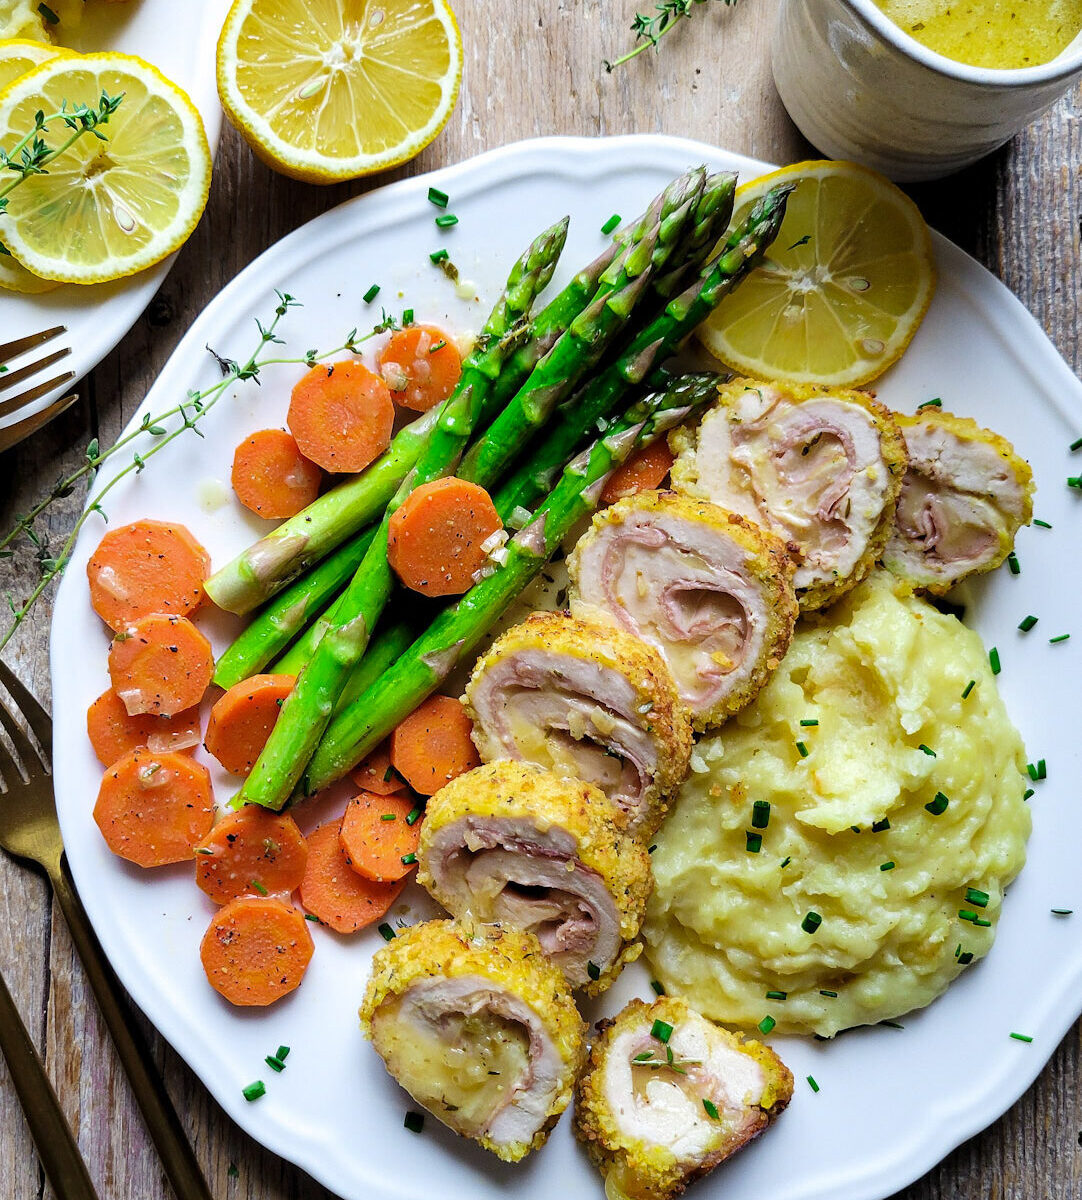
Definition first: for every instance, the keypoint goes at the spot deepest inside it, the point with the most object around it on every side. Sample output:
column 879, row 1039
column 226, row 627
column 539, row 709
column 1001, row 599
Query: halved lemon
column 340, row 88
column 842, row 290
column 106, row 208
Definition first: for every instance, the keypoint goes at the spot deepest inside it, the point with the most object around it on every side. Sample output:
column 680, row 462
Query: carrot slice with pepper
column 147, row 567
column 113, row 733
column 241, row 720
column 256, row 950
column 272, row 477
column 379, row 839
column 341, row 415
column 435, row 537
column 160, row 665
column 375, row 773
column 432, row 745
column 421, row 366
column 332, row 891
column 154, row 809
column 252, row 851
column 644, row 470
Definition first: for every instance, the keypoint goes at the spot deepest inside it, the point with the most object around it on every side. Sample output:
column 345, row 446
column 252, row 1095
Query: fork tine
column 34, row 393
column 12, row 435
column 10, row 378
column 24, row 747
column 13, row 349
column 36, row 717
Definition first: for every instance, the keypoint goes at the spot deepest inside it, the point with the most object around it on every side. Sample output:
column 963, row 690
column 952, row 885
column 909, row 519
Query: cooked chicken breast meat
column 514, row 843
column 667, row 1095
column 588, row 701
column 964, row 497
column 820, row 467
column 709, row 589
column 479, row 1027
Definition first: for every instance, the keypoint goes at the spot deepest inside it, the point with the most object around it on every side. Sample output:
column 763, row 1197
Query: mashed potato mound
column 883, row 674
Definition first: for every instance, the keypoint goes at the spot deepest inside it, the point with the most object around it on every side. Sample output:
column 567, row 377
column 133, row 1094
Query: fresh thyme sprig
column 669, row 1062
column 649, row 30
column 160, row 429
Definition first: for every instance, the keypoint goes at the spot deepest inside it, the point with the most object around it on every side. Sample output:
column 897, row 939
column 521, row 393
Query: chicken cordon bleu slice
column 479, row 1027
column 586, row 700
column 514, row 843
column 709, row 589
column 667, row 1095
column 964, row 497
column 820, row 467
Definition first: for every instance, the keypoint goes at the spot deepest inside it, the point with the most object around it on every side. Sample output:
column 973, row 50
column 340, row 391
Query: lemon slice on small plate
column 842, row 290
column 106, row 208
column 342, row 88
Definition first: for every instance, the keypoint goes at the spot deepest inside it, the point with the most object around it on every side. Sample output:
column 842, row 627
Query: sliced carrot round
column 341, row 415
column 432, row 745
column 378, row 837
column 147, row 567
column 251, row 852
column 272, row 477
column 113, row 733
column 154, row 809
column 332, row 891
column 256, row 950
column 421, row 366
column 435, row 538
column 160, row 665
column 642, row 472
column 241, row 720
column 375, row 773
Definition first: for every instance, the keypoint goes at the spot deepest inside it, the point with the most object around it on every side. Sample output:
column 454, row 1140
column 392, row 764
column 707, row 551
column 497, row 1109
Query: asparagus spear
column 741, row 253
column 308, row 707
column 456, row 631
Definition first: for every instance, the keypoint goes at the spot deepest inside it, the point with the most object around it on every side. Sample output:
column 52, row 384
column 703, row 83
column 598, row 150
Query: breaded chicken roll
column 818, row 466
column 479, row 1027
column 709, row 589
column 667, row 1095
column 964, row 497
column 588, row 701
column 514, row 843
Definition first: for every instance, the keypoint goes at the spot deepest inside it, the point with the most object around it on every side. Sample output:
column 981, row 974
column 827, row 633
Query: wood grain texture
column 533, row 67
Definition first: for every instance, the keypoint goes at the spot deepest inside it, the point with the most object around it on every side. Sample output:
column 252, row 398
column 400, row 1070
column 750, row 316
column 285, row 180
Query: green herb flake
column 414, row 1121
column 407, row 316
column 254, row 1090
column 966, row 914
column 812, row 921
column 993, row 661
column 777, row 995
column 965, row 958
column 983, row 922
column 827, row 992
column 891, row 1024
column 753, row 843
column 258, row 887
column 386, row 931
column 760, row 814
column 611, row 224
column 446, row 220
column 1042, row 524
column 438, row 256
column 936, row 403
column 661, row 1031
column 927, row 750
column 1060, row 637
column 232, row 1172
column 802, row 750
column 311, row 917
column 438, row 198
column 282, row 1053
column 656, row 985
column 976, row 897
column 371, row 294
column 1077, row 444
column 1074, row 481
column 785, row 862
column 407, row 860
column 645, row 1056
column 1021, row 1037
column 413, row 817
column 48, row 14
column 275, row 1063
column 887, row 866
column 1027, row 623
column 711, row 1109
column 1027, row 793
column 1031, row 771
column 881, row 826
column 1062, row 912
column 1013, row 565
column 437, row 346
column 809, row 722
column 766, row 1025
column 968, row 688
column 937, row 806
column 386, row 816
column 812, row 1084
column 593, row 970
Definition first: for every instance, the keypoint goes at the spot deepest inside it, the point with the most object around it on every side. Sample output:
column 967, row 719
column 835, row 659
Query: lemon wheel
column 106, row 208
column 842, row 290
column 325, row 90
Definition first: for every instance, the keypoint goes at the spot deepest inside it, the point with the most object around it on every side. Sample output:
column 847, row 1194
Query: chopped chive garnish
column 1074, row 481
column 777, row 995
column 977, row 897
column 259, row 887
column 754, row 842
column 386, row 816
column 438, row 198
column 1021, row 1037
column 274, row 1063
column 1043, row 524
column 927, row 750
column 983, row 922
column 1077, row 444
column 802, row 750
column 993, row 660
column 371, row 294
column 408, row 860
column 969, row 687
column 1013, row 564
column 1060, row 637
column 887, row 866
column 414, row 816
column 827, row 992
column 661, row 1031
column 1031, row 771
column 645, row 1056
column 1062, row 912
column 892, row 1024
column 810, row 722
column 48, row 14
column 811, row 922
column 936, row 403
column 233, row 1171
column 388, row 775
column 311, row 917
column 937, row 805
column 1027, row 623
column 966, row 914
column 854, row 829
column 785, row 862
column 1027, row 793
column 651, row 849
column 414, row 1122
column 656, row 985
column 711, row 1109
column 438, row 256
column 812, row 1084
column 965, row 958
column 767, row 1024
column 880, row 826
column 611, row 224
column 437, row 346
column 593, row 970
column 282, row 1053
column 446, row 220
column 760, row 814
column 407, row 319
column 254, row 1090
column 386, row 931
column 1042, row 769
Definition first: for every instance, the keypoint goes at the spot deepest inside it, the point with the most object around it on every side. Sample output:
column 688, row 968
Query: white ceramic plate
column 892, row 1102
column 179, row 39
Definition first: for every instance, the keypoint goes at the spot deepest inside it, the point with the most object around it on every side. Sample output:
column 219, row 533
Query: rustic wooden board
column 533, row 67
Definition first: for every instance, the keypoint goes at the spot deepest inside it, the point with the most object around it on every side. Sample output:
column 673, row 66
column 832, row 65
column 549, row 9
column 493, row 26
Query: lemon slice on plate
column 106, row 208
column 342, row 88
column 842, row 290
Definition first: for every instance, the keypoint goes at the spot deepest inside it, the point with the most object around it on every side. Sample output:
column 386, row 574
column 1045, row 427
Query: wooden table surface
column 533, row 67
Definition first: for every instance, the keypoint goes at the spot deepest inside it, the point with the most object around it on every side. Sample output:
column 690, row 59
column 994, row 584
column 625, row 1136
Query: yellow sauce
column 1002, row 34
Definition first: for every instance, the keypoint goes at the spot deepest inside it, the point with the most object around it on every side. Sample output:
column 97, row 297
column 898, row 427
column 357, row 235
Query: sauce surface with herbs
column 1001, row 34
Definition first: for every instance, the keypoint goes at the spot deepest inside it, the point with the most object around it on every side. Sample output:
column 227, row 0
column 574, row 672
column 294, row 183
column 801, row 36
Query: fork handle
column 166, row 1131
column 59, row 1155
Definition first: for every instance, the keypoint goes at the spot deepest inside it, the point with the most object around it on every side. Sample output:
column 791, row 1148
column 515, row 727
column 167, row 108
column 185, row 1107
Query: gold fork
column 10, row 377
column 29, row 830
